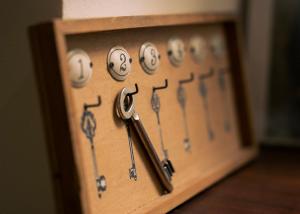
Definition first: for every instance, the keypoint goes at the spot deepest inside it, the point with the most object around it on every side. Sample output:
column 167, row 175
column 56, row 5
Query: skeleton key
column 88, row 126
column 132, row 169
column 126, row 111
column 203, row 93
column 155, row 103
column 223, row 88
column 181, row 97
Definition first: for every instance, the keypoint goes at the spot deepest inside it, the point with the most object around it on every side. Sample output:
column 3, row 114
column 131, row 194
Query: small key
column 223, row 88
column 204, row 93
column 155, row 103
column 132, row 169
column 88, row 126
column 126, row 111
column 181, row 96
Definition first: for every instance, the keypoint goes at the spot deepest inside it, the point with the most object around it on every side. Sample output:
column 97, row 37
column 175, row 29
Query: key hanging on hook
column 155, row 104
column 204, row 93
column 181, row 97
column 128, row 101
column 88, row 126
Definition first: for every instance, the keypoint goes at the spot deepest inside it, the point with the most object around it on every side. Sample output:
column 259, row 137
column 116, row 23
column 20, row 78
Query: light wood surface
column 207, row 162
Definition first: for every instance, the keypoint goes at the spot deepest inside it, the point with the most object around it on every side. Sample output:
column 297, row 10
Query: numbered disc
column 176, row 51
column 119, row 63
column 217, row 46
column 80, row 67
column 149, row 57
column 198, row 49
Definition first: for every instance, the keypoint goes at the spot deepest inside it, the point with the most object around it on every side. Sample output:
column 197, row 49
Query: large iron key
column 126, row 110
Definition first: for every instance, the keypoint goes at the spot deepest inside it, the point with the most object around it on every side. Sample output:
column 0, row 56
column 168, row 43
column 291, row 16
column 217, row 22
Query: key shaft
column 147, row 144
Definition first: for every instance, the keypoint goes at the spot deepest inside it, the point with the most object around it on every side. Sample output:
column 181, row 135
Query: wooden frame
column 50, row 42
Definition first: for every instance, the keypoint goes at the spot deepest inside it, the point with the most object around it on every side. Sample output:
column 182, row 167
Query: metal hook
column 187, row 80
column 161, row 87
column 206, row 75
column 135, row 92
column 223, row 70
column 86, row 106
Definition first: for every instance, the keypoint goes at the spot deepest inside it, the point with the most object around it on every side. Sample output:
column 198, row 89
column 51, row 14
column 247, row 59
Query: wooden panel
column 208, row 160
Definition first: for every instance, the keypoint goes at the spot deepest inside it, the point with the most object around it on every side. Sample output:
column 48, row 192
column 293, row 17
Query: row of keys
column 119, row 60
column 125, row 110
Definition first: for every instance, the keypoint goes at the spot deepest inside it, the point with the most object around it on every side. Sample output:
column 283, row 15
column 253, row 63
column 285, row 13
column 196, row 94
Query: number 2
column 123, row 64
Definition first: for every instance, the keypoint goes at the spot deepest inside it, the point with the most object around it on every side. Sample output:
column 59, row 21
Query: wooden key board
column 185, row 76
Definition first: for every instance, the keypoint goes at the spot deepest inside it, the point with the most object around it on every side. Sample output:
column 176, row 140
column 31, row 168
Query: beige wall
column 257, row 59
column 96, row 8
column 24, row 171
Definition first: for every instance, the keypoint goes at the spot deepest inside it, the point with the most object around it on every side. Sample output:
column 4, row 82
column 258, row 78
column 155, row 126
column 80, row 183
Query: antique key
column 132, row 169
column 88, row 126
column 224, row 96
column 126, row 110
column 155, row 104
column 203, row 92
column 181, row 97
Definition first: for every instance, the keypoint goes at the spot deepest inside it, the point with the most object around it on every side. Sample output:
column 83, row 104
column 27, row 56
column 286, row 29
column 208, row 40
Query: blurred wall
column 25, row 184
column 257, row 57
column 25, row 178
column 96, row 8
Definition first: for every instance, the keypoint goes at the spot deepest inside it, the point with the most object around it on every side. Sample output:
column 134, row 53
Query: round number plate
column 149, row 57
column 119, row 63
column 176, row 51
column 80, row 67
column 198, row 49
column 217, row 46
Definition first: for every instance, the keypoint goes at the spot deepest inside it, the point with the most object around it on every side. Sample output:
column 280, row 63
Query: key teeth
column 168, row 166
column 132, row 174
column 171, row 166
column 187, row 144
column 101, row 184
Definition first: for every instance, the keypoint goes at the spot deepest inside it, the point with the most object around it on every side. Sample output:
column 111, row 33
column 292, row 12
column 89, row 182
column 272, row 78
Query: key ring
column 125, row 112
